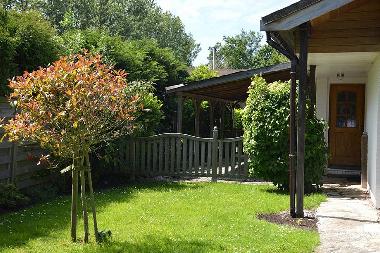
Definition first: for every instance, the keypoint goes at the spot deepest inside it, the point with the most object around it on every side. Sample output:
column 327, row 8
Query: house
column 340, row 41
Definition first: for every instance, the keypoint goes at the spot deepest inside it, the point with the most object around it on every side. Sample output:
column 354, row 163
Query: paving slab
column 348, row 222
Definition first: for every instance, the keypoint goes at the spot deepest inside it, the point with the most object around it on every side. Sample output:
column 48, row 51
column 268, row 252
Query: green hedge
column 266, row 136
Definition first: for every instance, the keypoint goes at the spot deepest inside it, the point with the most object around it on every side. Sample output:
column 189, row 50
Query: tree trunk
column 74, row 203
column 84, row 202
column 92, row 198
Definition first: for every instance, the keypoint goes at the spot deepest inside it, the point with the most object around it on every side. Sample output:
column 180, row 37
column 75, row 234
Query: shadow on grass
column 157, row 244
column 41, row 220
column 282, row 192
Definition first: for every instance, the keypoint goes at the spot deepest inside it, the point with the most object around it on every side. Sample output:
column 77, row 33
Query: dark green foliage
column 266, row 131
column 148, row 120
column 27, row 41
column 130, row 19
column 11, row 197
column 142, row 59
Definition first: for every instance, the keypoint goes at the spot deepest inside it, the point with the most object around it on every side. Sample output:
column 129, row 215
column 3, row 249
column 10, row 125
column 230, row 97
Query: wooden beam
column 204, row 97
column 179, row 112
column 304, row 35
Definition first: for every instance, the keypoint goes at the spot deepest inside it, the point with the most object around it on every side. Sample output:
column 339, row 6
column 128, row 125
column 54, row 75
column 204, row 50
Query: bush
column 266, row 136
column 11, row 197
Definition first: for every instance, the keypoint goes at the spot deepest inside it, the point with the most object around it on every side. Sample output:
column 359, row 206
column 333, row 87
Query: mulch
column 309, row 222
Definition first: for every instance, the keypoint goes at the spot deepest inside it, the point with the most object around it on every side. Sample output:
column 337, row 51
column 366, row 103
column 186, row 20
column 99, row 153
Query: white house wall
column 372, row 128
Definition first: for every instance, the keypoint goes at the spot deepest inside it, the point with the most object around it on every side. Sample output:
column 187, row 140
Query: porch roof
column 300, row 12
column 232, row 87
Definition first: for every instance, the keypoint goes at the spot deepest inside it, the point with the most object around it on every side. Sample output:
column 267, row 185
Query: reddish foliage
column 72, row 105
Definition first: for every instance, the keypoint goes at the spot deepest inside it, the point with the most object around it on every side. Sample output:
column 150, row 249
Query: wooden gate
column 174, row 154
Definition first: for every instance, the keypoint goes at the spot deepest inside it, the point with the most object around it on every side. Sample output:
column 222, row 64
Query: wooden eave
column 293, row 17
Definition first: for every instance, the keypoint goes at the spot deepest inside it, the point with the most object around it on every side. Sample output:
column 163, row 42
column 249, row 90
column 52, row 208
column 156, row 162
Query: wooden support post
column 197, row 108
column 312, row 87
column 179, row 112
column 292, row 138
column 364, row 151
column 134, row 163
column 304, row 34
column 212, row 123
column 214, row 153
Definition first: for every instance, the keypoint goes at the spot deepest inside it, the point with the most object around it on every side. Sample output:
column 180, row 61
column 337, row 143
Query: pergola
column 223, row 90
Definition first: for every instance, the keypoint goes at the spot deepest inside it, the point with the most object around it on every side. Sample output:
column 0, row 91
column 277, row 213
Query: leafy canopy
column 201, row 72
column 130, row 19
column 72, row 105
column 244, row 51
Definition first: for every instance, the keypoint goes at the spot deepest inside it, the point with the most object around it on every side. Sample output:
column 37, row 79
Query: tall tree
column 244, row 51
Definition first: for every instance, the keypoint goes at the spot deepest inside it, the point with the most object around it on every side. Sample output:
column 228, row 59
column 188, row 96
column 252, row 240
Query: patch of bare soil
column 309, row 222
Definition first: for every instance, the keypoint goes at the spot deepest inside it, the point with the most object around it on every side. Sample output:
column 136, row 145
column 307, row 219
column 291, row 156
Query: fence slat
column 161, row 156
column 191, row 156
column 143, row 167
column 240, row 147
column 220, row 159
column 167, row 152
column 149, row 158
column 226, row 157
column 184, row 156
column 196, row 157
column 209, row 147
column 172, row 154
column 178, row 157
column 233, row 157
column 154, row 165
column 203, row 157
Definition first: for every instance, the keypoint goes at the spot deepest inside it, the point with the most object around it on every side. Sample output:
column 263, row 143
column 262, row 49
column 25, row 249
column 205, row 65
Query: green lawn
column 165, row 217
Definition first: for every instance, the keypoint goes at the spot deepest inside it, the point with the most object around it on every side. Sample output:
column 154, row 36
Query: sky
column 209, row 20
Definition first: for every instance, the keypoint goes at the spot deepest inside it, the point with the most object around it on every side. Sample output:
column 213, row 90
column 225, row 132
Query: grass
column 166, row 217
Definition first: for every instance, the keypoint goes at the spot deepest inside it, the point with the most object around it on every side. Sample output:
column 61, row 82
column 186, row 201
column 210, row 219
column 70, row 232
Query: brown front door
column 346, row 124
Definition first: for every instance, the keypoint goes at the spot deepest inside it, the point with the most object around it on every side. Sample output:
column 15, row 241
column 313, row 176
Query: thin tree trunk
column 84, row 202
column 92, row 198
column 74, row 203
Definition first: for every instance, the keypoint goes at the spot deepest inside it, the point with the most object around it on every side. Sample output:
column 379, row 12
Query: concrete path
column 348, row 222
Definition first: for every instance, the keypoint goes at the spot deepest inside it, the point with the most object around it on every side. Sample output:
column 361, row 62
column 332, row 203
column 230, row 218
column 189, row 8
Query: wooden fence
column 174, row 154
column 16, row 165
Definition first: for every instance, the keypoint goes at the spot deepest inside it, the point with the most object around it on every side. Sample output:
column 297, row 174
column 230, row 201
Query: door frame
column 331, row 85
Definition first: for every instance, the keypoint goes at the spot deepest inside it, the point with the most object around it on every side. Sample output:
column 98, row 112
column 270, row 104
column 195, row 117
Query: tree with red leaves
column 69, row 108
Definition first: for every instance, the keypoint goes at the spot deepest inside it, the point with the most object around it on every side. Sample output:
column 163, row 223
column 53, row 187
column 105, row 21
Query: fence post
column 214, row 153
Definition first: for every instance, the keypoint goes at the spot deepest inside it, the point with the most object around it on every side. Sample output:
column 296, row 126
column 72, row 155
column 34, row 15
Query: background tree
column 70, row 108
column 130, row 19
column 201, row 72
column 244, row 51
column 27, row 41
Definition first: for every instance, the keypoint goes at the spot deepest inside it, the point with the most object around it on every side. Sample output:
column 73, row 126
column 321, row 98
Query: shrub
column 266, row 131
column 11, row 197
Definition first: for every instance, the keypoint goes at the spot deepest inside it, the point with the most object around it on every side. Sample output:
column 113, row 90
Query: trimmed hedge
column 266, row 136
